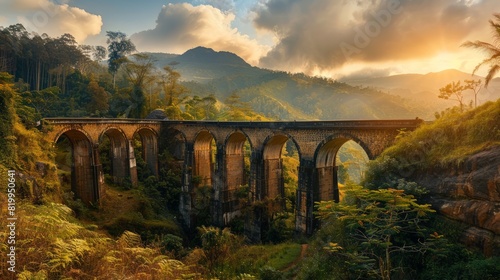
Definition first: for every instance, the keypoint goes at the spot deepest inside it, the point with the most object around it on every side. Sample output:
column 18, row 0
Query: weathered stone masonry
column 221, row 166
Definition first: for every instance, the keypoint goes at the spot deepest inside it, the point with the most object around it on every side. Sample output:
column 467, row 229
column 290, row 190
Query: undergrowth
column 52, row 244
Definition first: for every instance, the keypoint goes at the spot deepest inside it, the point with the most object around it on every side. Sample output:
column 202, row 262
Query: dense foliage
column 381, row 226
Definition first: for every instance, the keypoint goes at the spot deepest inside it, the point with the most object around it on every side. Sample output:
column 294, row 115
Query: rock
column 469, row 193
column 488, row 242
column 482, row 214
column 42, row 168
column 157, row 114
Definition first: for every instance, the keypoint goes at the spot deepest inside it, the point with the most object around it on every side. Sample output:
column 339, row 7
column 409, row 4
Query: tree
column 139, row 73
column 173, row 91
column 379, row 225
column 238, row 110
column 171, row 86
column 453, row 91
column 201, row 108
column 118, row 47
column 7, row 119
column 492, row 50
column 99, row 99
column 65, row 56
column 475, row 86
column 46, row 102
column 94, row 55
column 217, row 245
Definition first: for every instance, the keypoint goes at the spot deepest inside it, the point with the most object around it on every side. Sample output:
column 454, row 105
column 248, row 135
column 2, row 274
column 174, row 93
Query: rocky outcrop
column 157, row 114
column 470, row 193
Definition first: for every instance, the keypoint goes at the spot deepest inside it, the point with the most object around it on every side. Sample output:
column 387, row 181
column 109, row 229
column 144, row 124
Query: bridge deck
column 391, row 123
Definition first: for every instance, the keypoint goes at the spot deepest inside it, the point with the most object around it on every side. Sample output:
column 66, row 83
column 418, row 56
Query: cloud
column 223, row 5
column 54, row 18
column 180, row 27
column 323, row 34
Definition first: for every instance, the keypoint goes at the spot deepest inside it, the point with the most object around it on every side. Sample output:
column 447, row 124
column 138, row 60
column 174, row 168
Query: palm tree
column 492, row 50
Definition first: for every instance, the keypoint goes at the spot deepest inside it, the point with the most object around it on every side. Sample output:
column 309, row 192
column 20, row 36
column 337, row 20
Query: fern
column 27, row 275
column 53, row 245
column 64, row 253
column 129, row 240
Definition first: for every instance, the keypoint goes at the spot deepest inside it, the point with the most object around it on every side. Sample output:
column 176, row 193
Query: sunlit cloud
column 53, row 18
column 320, row 35
column 180, row 27
column 223, row 5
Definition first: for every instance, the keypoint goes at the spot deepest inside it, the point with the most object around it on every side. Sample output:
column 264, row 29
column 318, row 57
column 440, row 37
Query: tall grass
column 452, row 137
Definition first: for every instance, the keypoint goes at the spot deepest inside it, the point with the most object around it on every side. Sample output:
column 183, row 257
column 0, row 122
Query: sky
column 331, row 38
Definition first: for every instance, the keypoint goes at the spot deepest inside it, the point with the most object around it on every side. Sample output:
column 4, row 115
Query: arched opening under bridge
column 338, row 160
column 237, row 169
column 77, row 164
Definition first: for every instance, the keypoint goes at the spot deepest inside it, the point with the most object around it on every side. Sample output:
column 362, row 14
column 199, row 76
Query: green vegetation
column 386, row 234
column 25, row 150
column 380, row 226
column 262, row 259
column 446, row 141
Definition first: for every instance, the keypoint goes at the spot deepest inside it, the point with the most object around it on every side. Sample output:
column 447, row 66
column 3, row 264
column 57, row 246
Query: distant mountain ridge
column 421, row 87
column 286, row 96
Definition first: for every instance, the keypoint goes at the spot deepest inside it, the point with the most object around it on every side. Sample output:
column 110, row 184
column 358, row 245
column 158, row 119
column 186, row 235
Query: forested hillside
column 58, row 77
column 282, row 95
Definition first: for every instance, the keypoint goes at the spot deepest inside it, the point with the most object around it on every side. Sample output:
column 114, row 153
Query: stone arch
column 204, row 161
column 236, row 173
column 325, row 164
column 72, row 130
column 149, row 139
column 84, row 172
column 333, row 143
column 119, row 153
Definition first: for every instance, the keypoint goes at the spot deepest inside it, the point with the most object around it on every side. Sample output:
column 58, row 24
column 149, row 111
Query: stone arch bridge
column 212, row 153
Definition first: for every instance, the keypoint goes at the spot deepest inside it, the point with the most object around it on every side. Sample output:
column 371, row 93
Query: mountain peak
column 207, row 55
column 199, row 50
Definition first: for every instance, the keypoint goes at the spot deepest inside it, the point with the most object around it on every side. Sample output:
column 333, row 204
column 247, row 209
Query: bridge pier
column 218, row 183
column 186, row 197
column 98, row 176
column 132, row 163
column 304, row 200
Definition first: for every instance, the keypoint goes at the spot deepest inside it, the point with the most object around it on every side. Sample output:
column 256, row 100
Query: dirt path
column 303, row 250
